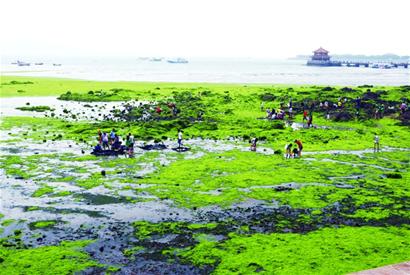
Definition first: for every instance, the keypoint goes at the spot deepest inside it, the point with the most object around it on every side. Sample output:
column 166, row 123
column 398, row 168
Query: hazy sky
column 203, row 28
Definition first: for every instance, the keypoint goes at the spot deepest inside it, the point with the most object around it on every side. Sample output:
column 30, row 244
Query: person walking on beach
column 376, row 144
column 179, row 138
column 300, row 146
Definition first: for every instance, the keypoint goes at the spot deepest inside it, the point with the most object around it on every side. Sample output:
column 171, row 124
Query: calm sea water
column 208, row 70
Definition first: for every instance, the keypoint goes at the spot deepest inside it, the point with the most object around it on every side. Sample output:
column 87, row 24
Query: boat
column 21, row 63
column 177, row 61
column 156, row 59
column 56, row 64
column 39, row 63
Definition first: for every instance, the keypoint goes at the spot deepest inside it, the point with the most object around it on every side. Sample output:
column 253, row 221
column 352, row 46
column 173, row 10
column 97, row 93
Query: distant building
column 321, row 57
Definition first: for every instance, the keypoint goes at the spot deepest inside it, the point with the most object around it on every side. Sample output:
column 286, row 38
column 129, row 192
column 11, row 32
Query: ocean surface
column 206, row 70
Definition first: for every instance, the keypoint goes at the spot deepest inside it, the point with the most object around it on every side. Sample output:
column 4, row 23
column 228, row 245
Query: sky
column 203, row 28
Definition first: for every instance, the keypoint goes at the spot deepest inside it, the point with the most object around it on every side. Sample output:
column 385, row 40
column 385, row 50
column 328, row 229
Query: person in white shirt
column 180, row 139
column 376, row 143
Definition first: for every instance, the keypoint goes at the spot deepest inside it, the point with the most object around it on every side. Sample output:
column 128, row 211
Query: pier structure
column 321, row 58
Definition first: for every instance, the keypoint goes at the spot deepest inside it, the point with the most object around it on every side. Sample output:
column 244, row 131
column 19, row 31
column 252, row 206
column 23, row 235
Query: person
column 381, row 110
column 327, row 115
column 300, row 146
column 99, row 137
column 296, row 153
column 105, row 143
column 174, row 111
column 403, row 107
column 158, row 110
column 112, row 136
column 268, row 113
column 304, row 116
column 358, row 103
column 179, row 138
column 130, row 143
column 116, row 145
column 98, row 148
column 290, row 112
column 273, row 114
column 253, row 144
column 200, row 115
column 310, row 120
column 288, row 149
column 376, row 143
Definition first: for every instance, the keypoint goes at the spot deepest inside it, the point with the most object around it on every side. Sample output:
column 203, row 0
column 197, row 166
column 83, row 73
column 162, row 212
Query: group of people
column 172, row 107
column 112, row 141
column 296, row 152
column 273, row 114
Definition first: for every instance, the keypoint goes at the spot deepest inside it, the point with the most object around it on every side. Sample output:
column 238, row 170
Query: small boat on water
column 21, row 63
column 39, row 63
column 156, row 59
column 177, row 61
column 56, row 64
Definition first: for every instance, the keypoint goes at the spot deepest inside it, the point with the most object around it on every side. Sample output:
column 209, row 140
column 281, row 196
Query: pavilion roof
column 321, row 50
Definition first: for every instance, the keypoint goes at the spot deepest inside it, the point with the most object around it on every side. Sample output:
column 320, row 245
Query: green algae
column 35, row 108
column 8, row 222
column 46, row 189
column 66, row 258
column 230, row 177
column 326, row 251
column 42, row 224
column 365, row 187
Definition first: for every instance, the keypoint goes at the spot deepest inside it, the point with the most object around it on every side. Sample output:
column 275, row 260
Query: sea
column 207, row 70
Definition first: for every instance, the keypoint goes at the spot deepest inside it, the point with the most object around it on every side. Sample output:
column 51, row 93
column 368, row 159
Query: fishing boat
column 39, row 63
column 56, row 64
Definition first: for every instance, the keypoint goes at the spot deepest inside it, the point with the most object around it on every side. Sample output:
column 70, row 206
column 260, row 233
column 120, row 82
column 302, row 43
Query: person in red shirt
column 300, row 146
column 305, row 115
column 158, row 110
